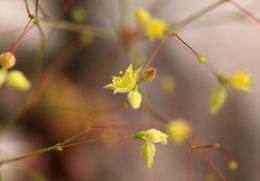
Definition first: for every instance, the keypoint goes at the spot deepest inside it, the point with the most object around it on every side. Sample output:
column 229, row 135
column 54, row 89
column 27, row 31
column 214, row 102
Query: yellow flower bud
column 232, row 165
column 178, row 130
column 217, row 99
column 168, row 84
column 141, row 16
column 79, row 14
column 202, row 59
column 2, row 78
column 16, row 79
column 240, row 81
column 156, row 136
column 134, row 99
column 155, row 28
column 7, row 60
column 148, row 152
column 148, row 74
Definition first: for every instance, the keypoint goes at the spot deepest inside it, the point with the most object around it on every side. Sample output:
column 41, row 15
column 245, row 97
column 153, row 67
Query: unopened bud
column 7, row 60
column 17, row 79
column 148, row 74
column 202, row 59
column 232, row 165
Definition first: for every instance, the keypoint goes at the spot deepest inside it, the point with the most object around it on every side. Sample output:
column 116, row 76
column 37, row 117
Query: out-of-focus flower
column 232, row 165
column 240, row 81
column 154, row 27
column 7, row 60
column 79, row 14
column 178, row 130
column 167, row 84
column 218, row 97
column 148, row 152
column 134, row 98
column 17, row 80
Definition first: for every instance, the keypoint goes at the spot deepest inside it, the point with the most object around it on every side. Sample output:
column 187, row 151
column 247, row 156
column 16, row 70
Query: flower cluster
column 147, row 148
column 14, row 78
column 154, row 27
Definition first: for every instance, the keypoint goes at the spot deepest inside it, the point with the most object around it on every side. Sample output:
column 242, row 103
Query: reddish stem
column 193, row 51
column 94, row 140
column 152, row 57
column 16, row 43
column 189, row 142
column 190, row 165
column 245, row 11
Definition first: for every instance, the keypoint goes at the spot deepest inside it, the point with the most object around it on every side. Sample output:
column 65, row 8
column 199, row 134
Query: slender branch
column 190, row 165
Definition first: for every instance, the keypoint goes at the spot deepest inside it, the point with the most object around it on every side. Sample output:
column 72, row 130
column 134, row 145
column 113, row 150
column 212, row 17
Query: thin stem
column 152, row 57
column 16, row 43
column 55, row 147
column 197, row 15
column 36, row 7
column 155, row 114
column 245, row 11
column 190, row 165
column 93, row 140
column 27, row 9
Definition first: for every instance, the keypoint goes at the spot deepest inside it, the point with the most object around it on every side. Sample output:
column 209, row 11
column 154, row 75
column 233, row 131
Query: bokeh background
column 228, row 38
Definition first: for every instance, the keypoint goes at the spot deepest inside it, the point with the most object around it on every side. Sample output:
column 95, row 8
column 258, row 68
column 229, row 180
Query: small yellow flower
column 217, row 99
column 155, row 28
column 141, row 16
column 232, row 165
column 240, row 81
column 178, row 130
column 17, row 80
column 7, row 60
column 134, row 99
column 126, row 83
column 156, row 136
column 148, row 152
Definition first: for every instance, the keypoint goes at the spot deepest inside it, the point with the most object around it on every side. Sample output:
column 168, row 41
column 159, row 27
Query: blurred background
column 75, row 68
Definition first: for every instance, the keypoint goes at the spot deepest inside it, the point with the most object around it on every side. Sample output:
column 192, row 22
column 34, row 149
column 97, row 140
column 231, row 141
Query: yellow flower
column 156, row 136
column 126, row 83
column 134, row 99
column 240, row 81
column 7, row 60
column 217, row 99
column 155, row 28
column 148, row 152
column 141, row 16
column 17, row 80
column 232, row 165
column 178, row 130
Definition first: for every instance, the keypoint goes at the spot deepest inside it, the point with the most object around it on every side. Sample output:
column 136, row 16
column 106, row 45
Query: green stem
column 197, row 15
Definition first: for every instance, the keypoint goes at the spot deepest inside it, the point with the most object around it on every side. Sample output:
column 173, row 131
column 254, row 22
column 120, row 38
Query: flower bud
column 141, row 16
column 148, row 74
column 16, row 79
column 7, row 60
column 217, row 99
column 178, row 130
column 156, row 136
column 148, row 152
column 232, row 165
column 202, row 59
column 240, row 81
column 134, row 99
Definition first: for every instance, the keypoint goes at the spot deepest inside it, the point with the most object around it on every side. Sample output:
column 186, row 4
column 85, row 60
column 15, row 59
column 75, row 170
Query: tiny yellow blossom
column 232, row 165
column 178, row 130
column 156, row 136
column 16, row 79
column 134, row 99
column 240, row 81
column 155, row 28
column 217, row 99
column 79, row 14
column 7, row 60
column 141, row 16
column 148, row 152
column 125, row 83
column 202, row 59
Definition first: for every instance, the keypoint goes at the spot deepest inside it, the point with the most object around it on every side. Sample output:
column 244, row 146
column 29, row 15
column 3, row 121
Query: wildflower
column 232, row 165
column 240, row 81
column 7, row 60
column 16, row 79
column 148, row 152
column 127, row 84
column 178, row 130
column 134, row 99
column 154, row 27
column 142, row 16
column 148, row 74
column 156, row 136
column 217, row 99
